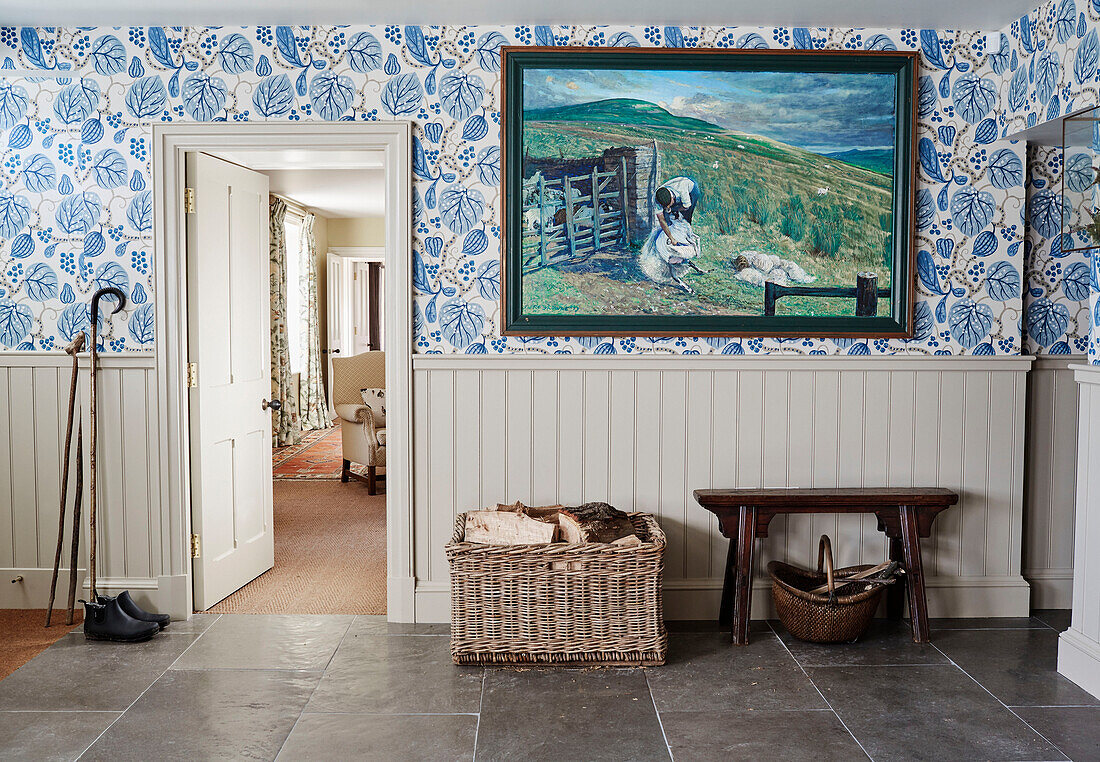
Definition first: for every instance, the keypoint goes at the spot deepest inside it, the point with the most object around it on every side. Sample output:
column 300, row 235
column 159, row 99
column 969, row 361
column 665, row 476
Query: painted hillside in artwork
column 795, row 181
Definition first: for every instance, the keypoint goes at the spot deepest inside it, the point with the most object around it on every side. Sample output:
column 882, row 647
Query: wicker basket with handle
column 564, row 604
column 824, row 617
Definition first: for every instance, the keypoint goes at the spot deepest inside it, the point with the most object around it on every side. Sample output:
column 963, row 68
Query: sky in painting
column 821, row 112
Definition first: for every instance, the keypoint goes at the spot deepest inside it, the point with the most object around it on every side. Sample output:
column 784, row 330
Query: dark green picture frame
column 898, row 324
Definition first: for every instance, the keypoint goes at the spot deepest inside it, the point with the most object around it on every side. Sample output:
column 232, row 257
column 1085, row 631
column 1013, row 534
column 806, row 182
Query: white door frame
column 169, row 143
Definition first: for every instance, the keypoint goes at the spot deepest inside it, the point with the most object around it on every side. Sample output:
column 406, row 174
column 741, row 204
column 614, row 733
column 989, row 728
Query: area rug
column 23, row 635
column 330, row 553
column 318, row 456
column 309, row 438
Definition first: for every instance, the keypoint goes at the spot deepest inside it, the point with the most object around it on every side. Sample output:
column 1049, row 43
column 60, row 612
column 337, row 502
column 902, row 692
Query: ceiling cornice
column 984, row 15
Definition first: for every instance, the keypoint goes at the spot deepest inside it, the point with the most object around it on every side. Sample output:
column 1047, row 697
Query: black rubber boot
column 107, row 621
column 126, row 603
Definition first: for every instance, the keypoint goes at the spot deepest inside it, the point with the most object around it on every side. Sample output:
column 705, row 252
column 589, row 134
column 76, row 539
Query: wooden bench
column 905, row 515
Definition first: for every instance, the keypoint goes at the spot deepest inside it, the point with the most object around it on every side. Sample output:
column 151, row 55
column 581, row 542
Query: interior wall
column 132, row 546
column 1050, row 480
column 1048, row 67
column 357, row 231
column 970, row 189
column 252, row 73
column 642, row 433
column 1056, row 281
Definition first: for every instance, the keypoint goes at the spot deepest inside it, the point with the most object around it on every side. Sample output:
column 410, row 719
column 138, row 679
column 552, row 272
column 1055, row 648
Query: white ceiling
column 986, row 15
column 292, row 158
column 332, row 183
column 333, row 192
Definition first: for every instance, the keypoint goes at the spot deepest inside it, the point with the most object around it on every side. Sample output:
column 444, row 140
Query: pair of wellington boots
column 121, row 620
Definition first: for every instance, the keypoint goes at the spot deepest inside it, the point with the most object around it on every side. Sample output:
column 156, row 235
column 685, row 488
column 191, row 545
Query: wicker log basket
column 560, row 603
column 826, row 617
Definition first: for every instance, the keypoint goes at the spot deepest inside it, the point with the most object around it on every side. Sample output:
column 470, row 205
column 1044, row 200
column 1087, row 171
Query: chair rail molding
column 1079, row 646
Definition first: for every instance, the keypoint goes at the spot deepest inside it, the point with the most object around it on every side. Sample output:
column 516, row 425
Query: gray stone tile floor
column 341, row 688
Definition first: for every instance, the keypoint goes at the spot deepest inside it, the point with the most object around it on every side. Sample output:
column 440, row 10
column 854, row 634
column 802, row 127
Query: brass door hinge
column 192, row 374
column 188, row 200
column 196, row 549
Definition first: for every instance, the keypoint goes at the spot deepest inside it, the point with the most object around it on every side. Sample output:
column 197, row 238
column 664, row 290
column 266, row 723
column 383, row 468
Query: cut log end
column 507, row 528
column 518, row 524
column 594, row 522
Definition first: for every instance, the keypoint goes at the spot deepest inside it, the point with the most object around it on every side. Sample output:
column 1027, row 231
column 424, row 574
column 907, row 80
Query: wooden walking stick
column 73, row 349
column 75, row 543
column 92, row 433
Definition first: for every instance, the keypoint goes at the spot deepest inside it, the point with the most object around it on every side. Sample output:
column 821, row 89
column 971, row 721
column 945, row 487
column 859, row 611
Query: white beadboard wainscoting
column 643, row 432
column 1050, row 482
column 637, row 431
column 1079, row 646
column 34, row 391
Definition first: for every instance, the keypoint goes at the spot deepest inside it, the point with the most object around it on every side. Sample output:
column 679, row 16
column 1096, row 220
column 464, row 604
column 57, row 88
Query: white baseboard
column 978, row 596
column 433, row 602
column 401, row 599
column 701, row 598
column 1050, row 588
column 165, row 594
column 1079, row 660
column 33, row 591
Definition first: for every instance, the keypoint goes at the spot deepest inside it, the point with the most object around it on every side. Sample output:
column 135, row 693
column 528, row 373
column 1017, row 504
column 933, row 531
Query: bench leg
column 914, row 572
column 725, row 614
column 742, row 596
column 895, row 593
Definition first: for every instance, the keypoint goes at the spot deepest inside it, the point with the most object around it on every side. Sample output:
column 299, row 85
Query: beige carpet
column 330, row 553
column 24, row 635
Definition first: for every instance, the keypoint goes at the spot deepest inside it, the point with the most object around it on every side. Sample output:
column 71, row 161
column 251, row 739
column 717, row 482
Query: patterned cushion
column 375, row 399
column 381, row 434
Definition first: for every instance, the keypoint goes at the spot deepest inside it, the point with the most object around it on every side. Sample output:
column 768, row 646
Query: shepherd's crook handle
column 118, row 293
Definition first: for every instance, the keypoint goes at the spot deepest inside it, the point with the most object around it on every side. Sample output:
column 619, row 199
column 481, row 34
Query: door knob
column 336, row 351
column 273, row 404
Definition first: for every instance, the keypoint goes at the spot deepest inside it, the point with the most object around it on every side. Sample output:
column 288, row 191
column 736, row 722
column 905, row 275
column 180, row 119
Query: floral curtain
column 311, row 392
column 285, row 426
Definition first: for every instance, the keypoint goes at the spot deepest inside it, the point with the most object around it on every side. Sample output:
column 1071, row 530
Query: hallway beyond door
column 330, row 552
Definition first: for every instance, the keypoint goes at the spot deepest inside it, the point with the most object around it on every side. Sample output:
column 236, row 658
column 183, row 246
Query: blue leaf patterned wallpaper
column 76, row 209
column 1056, row 282
column 1052, row 68
column 1051, row 63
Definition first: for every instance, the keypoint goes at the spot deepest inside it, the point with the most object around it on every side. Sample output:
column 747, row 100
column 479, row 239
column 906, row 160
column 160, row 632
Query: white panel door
column 339, row 314
column 360, row 307
column 229, row 310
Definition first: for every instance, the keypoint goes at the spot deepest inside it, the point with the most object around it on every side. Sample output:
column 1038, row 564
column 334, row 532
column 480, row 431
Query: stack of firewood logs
column 518, row 524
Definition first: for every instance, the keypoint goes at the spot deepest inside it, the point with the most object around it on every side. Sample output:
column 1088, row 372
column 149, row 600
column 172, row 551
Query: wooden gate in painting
column 573, row 216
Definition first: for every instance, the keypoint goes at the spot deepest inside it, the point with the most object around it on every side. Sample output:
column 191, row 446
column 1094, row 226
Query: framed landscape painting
column 707, row 192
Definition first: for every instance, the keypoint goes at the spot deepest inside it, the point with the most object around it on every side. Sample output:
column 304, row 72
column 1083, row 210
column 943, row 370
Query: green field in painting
column 752, row 188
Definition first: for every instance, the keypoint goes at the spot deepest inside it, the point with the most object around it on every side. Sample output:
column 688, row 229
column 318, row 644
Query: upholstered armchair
column 364, row 439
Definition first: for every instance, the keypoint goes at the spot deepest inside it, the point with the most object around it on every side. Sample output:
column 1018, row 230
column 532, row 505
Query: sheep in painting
column 667, row 263
column 756, row 268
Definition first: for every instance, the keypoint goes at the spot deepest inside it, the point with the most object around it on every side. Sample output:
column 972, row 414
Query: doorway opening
column 328, row 530
column 283, row 533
